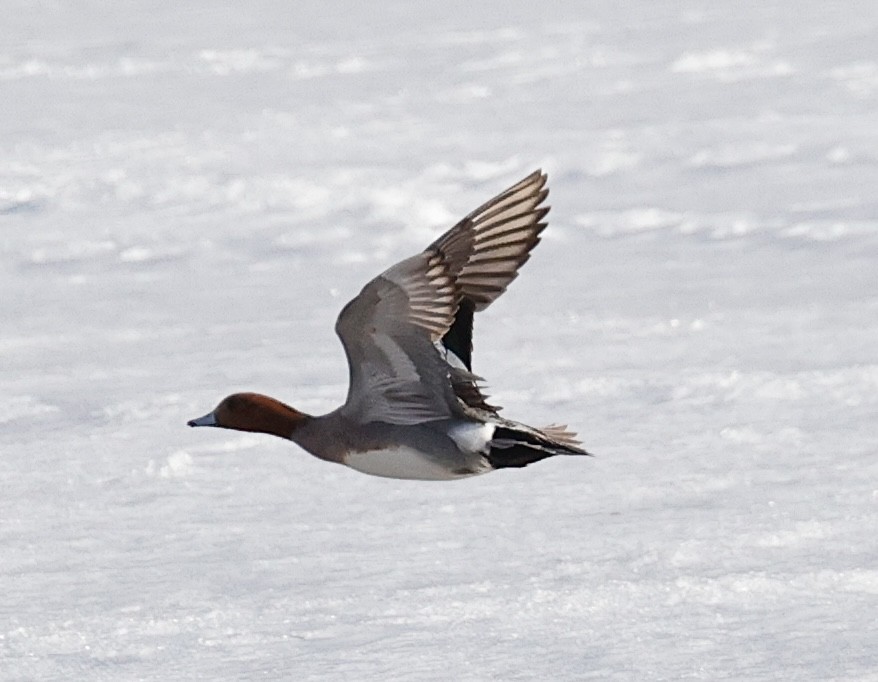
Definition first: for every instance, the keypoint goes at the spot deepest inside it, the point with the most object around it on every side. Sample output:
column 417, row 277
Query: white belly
column 401, row 462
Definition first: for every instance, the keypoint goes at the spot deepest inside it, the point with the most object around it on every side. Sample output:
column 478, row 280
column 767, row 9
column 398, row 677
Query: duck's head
column 253, row 412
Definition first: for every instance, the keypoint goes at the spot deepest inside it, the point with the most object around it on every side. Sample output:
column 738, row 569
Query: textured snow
column 190, row 193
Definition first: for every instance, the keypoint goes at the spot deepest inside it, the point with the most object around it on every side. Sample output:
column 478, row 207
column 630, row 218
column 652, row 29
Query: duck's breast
column 403, row 461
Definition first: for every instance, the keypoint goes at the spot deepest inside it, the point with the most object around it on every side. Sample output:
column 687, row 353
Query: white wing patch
column 472, row 436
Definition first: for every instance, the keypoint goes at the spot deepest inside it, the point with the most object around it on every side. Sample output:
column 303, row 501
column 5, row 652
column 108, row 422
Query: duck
column 415, row 409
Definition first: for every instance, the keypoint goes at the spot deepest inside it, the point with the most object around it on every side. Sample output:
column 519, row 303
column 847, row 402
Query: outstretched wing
column 485, row 251
column 502, row 233
column 388, row 332
column 392, row 330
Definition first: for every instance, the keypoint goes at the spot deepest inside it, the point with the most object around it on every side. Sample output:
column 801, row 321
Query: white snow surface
column 190, row 192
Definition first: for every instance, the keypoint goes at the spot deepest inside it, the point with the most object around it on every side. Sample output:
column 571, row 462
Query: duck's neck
column 273, row 417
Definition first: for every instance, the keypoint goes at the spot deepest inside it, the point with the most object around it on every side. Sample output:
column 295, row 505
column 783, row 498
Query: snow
column 188, row 196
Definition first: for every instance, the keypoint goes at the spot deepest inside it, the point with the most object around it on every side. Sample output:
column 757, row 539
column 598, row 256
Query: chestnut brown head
column 253, row 412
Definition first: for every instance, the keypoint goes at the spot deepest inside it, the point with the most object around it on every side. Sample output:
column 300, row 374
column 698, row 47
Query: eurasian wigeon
column 414, row 408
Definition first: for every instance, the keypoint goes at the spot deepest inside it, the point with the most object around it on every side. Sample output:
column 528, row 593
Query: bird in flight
column 415, row 409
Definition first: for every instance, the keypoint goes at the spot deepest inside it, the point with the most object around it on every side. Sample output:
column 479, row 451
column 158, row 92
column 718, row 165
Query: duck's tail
column 516, row 445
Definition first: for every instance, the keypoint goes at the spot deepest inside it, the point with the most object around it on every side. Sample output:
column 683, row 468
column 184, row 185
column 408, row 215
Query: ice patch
column 821, row 231
column 22, row 407
column 24, row 199
column 148, row 254
column 236, row 444
column 616, row 153
column 403, row 206
column 71, row 252
column 147, row 409
column 503, row 60
column 129, row 67
column 712, row 61
column 177, row 465
column 136, row 254
column 732, row 65
column 606, row 387
column 804, row 532
column 225, row 62
column 839, row 155
column 748, row 587
column 631, row 221
column 731, row 156
column 499, row 35
column 469, row 91
column 860, row 580
column 860, row 78
column 346, row 66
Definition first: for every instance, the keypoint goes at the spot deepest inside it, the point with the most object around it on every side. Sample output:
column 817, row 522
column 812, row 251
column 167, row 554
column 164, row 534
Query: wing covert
column 388, row 332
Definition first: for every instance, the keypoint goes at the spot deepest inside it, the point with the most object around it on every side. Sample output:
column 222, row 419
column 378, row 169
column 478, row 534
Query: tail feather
column 518, row 447
column 560, row 433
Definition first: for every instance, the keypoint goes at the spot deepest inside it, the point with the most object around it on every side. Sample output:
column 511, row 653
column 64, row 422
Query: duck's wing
column 389, row 332
column 485, row 251
column 392, row 330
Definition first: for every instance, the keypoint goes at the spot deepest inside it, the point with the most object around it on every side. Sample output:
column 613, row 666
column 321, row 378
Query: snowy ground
column 189, row 196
